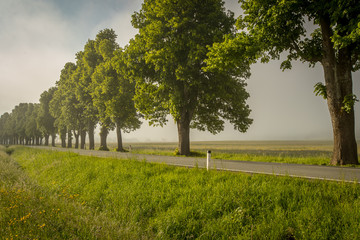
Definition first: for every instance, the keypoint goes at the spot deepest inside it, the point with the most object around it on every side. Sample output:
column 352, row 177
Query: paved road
column 280, row 169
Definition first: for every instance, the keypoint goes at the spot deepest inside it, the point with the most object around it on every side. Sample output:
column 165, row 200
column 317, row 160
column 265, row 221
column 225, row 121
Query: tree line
column 88, row 92
column 190, row 60
column 159, row 73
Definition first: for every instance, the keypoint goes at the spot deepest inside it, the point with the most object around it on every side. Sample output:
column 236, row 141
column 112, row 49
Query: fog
column 38, row 37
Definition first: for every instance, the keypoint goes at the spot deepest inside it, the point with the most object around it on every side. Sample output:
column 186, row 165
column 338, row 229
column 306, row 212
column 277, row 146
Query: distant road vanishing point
column 342, row 174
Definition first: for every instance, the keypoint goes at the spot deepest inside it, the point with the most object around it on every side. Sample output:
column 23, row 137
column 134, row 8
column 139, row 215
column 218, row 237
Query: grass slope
column 95, row 198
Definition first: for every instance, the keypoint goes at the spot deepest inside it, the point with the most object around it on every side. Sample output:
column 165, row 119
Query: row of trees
column 24, row 125
column 159, row 73
column 190, row 61
column 92, row 91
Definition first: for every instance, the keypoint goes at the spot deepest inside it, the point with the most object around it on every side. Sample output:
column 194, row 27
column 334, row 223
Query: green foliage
column 45, row 121
column 269, row 28
column 9, row 151
column 320, row 90
column 234, row 55
column 155, row 201
column 31, row 129
column 176, row 151
column 21, row 125
column 322, row 31
column 112, row 93
column 64, row 106
column 166, row 60
column 349, row 102
column 4, row 134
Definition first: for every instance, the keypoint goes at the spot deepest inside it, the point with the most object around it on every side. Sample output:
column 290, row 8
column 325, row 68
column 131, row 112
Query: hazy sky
column 38, row 37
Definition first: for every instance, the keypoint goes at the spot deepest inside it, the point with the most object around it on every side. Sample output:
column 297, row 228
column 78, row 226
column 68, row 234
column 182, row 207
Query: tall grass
column 31, row 211
column 157, row 201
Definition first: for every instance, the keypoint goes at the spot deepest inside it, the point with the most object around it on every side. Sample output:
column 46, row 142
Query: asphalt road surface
column 345, row 174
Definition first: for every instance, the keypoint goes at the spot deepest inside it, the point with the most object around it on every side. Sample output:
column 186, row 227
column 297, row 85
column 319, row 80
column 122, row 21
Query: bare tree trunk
column 91, row 136
column 103, row 136
column 338, row 80
column 69, row 135
column 76, row 135
column 119, row 139
column 183, row 127
column 82, row 139
column 63, row 137
column 47, row 140
column 53, row 137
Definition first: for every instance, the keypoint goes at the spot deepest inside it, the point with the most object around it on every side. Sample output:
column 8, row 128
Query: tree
column 4, row 134
column 87, row 61
column 278, row 27
column 115, row 95
column 19, row 118
column 45, row 121
column 55, row 111
column 31, row 128
column 167, row 57
column 104, row 45
column 62, row 105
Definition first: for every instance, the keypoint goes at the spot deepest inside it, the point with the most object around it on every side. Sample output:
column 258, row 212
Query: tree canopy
column 167, row 58
column 93, row 90
column 270, row 28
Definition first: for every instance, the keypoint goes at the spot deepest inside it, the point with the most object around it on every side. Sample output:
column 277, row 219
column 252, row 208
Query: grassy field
column 300, row 152
column 55, row 195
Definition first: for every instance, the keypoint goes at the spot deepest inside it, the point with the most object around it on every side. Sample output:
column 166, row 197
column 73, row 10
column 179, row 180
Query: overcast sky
column 38, row 37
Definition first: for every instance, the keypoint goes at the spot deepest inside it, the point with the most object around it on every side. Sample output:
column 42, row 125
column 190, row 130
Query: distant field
column 268, row 147
column 301, row 152
column 61, row 195
column 298, row 152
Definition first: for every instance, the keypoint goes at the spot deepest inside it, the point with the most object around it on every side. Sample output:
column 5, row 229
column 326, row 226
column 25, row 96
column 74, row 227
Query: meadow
column 61, row 195
column 298, row 152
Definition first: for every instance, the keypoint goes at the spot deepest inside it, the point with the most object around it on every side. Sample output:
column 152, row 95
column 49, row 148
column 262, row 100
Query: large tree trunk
column 69, row 135
column 82, row 139
column 76, row 135
column 63, row 137
column 183, row 126
column 103, row 136
column 47, row 140
column 338, row 82
column 119, row 139
column 53, row 137
column 91, row 128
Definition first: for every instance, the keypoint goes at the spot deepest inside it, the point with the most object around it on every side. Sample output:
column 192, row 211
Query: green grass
column 31, row 211
column 298, row 152
column 102, row 198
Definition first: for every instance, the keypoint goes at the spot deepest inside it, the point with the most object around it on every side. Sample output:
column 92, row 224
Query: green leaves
column 113, row 92
column 320, row 90
column 168, row 58
column 349, row 102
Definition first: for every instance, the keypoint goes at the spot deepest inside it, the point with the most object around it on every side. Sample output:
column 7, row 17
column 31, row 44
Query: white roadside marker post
column 208, row 158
